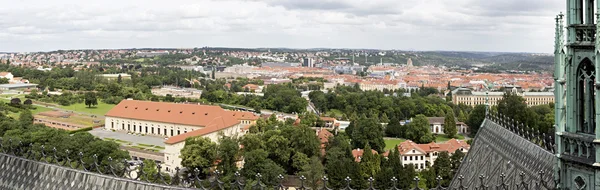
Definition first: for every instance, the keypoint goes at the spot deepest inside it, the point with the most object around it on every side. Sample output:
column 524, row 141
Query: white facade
column 173, row 151
column 8, row 76
column 147, row 127
column 414, row 157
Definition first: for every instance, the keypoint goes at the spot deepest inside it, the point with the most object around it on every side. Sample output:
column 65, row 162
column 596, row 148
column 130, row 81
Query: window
column 152, row 130
column 413, row 151
column 112, row 125
column 171, row 132
column 422, row 166
column 165, row 131
column 585, row 111
column 146, row 129
column 123, row 126
column 421, row 157
column 410, row 157
column 128, row 127
column 404, row 157
column 141, row 129
column 178, row 132
column 134, row 126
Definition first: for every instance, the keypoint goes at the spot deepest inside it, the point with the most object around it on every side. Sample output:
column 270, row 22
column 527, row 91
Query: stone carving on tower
column 576, row 118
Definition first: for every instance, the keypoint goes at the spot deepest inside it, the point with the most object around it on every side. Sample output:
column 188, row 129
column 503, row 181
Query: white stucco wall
column 418, row 159
column 153, row 128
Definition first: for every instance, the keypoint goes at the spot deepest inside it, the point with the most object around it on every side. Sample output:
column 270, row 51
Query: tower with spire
column 577, row 60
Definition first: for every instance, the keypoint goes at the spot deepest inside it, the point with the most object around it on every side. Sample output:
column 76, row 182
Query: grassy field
column 21, row 96
column 99, row 109
column 40, row 109
column 391, row 143
column 337, row 113
column 444, row 138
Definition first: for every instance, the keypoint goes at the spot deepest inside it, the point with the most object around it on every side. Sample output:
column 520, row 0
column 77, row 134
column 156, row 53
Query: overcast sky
column 462, row 25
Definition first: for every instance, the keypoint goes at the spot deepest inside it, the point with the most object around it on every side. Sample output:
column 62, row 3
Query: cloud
column 385, row 24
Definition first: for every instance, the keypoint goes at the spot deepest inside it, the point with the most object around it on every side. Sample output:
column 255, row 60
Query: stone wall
column 22, row 174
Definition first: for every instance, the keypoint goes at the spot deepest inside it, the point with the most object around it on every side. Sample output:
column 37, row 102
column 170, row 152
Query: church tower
column 576, row 64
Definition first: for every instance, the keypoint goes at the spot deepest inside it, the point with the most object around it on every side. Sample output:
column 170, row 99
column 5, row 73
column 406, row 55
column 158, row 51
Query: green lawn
column 444, row 138
column 337, row 113
column 40, row 109
column 391, row 143
column 99, row 109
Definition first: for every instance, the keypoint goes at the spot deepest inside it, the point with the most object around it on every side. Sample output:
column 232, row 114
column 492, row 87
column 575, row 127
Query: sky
column 422, row 25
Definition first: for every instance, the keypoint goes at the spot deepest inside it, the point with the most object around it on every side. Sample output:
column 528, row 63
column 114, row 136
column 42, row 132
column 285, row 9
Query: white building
column 177, row 122
column 421, row 155
column 436, row 126
column 6, row 75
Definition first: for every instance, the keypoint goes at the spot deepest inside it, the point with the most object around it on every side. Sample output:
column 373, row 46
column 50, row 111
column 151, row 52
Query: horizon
column 276, row 48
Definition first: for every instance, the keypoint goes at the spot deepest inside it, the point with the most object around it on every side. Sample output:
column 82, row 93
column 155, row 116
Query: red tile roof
column 451, row 146
column 357, row 153
column 243, row 115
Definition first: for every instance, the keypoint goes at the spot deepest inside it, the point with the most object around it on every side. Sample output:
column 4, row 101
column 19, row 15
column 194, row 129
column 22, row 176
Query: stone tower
column 409, row 62
column 577, row 140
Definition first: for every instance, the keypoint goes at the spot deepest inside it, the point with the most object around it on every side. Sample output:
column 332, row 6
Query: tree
column 461, row 116
column 476, row 119
column 4, row 81
column 119, row 79
column 228, row 154
column 90, row 99
column 450, row 125
column 339, row 164
column 369, row 162
column 383, row 177
column 443, row 168
column 199, row 153
column 149, row 171
column 406, row 177
column 384, row 118
column 15, row 101
column 394, row 129
column 456, row 159
column 26, row 118
column 418, row 130
column 256, row 161
column 313, row 172
column 28, row 102
column 368, row 131
column 429, row 177
column 513, row 106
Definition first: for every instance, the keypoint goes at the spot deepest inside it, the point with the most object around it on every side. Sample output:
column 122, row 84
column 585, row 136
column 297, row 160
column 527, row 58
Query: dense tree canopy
column 199, row 153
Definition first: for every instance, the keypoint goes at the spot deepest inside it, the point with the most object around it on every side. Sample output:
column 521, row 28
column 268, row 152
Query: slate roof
column 496, row 150
column 20, row 173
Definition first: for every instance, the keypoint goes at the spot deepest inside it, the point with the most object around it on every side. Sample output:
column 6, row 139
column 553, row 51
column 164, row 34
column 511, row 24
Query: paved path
column 101, row 133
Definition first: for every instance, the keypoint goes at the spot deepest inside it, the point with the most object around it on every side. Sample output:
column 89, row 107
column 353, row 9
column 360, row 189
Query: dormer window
column 169, row 111
column 146, row 108
column 125, row 106
column 181, row 112
column 136, row 108
column 414, row 151
column 193, row 113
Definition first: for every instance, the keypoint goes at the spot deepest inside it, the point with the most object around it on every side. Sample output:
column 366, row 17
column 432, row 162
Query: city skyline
column 464, row 25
